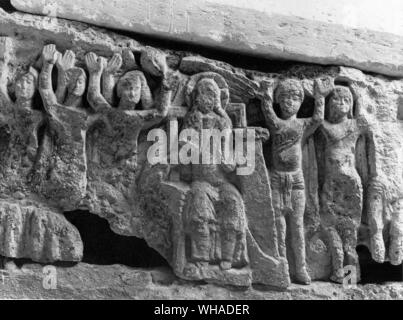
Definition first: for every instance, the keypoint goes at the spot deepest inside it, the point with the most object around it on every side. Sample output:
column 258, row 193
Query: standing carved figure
column 214, row 215
column 19, row 121
column 288, row 134
column 125, row 122
column 62, row 167
column 341, row 195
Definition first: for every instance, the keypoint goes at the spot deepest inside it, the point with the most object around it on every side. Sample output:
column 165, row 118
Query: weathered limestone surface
column 78, row 102
column 253, row 28
column 85, row 281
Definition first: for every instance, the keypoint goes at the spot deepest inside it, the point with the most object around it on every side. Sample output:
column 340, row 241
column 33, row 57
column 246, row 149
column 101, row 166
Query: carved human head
column 76, row 82
column 26, row 84
column 206, row 96
column 340, row 104
column 153, row 61
column 289, row 95
column 130, row 87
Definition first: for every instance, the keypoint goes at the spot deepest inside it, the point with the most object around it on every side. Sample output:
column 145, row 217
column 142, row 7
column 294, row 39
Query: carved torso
column 286, row 145
column 341, row 144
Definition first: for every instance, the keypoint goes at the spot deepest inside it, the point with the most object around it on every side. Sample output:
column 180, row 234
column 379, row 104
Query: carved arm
column 63, row 64
column 95, row 67
column 108, row 77
column 360, row 113
column 162, row 108
column 49, row 57
column 266, row 97
column 321, row 88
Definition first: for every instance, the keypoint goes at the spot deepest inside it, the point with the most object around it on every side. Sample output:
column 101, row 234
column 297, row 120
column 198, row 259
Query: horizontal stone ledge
column 250, row 30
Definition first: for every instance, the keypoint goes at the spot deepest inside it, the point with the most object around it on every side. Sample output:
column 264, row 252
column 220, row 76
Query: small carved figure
column 341, row 195
column 126, row 121
column 214, row 214
column 23, row 129
column 61, row 171
column 70, row 79
column 288, row 134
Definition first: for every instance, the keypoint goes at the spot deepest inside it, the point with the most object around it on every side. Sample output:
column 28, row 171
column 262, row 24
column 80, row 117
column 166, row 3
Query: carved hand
column 50, row 54
column 323, row 86
column 355, row 90
column 266, row 90
column 94, row 63
column 129, row 62
column 5, row 44
column 66, row 61
column 114, row 64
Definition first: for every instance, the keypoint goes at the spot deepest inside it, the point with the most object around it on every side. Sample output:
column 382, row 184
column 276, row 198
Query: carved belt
column 285, row 182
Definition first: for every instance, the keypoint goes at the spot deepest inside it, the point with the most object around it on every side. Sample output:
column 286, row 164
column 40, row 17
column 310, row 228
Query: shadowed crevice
column 377, row 273
column 7, row 6
column 104, row 247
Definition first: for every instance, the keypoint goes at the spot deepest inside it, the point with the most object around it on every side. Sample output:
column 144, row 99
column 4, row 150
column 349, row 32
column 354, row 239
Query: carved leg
column 241, row 253
column 200, row 243
column 280, row 224
column 297, row 236
column 349, row 238
column 337, row 254
column 396, row 234
column 228, row 242
column 376, row 225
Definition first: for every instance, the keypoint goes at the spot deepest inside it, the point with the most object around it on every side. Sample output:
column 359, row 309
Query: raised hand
column 94, row 63
column 50, row 54
column 355, row 90
column 323, row 86
column 66, row 61
column 129, row 62
column 266, row 89
column 114, row 64
column 5, row 46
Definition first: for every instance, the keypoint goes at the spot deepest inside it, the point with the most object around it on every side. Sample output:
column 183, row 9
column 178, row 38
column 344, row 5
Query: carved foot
column 302, row 277
column 338, row 276
column 378, row 248
column 396, row 251
column 10, row 265
column 7, row 264
column 225, row 265
column 193, row 270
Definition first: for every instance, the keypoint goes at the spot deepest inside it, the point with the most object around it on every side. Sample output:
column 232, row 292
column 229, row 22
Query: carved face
column 340, row 103
column 290, row 102
column 130, row 90
column 207, row 95
column 25, row 87
column 77, row 82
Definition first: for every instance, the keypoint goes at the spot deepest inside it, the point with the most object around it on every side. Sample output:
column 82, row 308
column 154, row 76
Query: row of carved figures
column 214, row 205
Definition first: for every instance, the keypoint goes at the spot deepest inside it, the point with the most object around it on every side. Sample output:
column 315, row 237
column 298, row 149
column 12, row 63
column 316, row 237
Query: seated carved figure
column 214, row 215
column 341, row 196
column 288, row 134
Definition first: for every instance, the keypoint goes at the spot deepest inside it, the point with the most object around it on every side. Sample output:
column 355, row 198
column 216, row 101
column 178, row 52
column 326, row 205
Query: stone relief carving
column 325, row 177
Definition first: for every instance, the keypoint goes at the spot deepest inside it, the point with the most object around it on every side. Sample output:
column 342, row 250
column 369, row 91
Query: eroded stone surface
column 248, row 29
column 85, row 281
column 326, row 139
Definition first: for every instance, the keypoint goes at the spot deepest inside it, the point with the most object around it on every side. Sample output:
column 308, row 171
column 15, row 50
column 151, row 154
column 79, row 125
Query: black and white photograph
column 201, row 151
